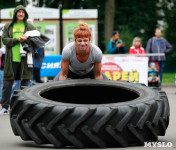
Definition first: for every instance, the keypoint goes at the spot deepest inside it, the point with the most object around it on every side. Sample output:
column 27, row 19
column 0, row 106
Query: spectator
column 137, row 47
column 81, row 59
column 16, row 67
column 116, row 45
column 153, row 73
column 38, row 65
column 158, row 44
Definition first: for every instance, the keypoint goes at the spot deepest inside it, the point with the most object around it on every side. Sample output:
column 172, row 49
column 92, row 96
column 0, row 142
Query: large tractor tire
column 89, row 113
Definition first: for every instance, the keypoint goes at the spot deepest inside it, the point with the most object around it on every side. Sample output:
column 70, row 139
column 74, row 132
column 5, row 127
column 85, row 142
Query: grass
column 168, row 78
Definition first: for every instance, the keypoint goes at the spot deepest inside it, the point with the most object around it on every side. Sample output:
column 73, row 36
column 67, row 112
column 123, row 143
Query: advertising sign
column 1, row 28
column 79, row 13
column 36, row 12
column 132, row 69
column 49, row 29
column 69, row 29
column 51, row 66
column 52, row 13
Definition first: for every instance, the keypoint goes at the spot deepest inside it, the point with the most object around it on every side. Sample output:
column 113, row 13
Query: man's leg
column 25, row 83
column 91, row 75
column 16, row 66
column 6, row 92
column 72, row 75
column 16, row 86
column 34, row 74
column 7, row 86
column 38, row 79
column 162, row 65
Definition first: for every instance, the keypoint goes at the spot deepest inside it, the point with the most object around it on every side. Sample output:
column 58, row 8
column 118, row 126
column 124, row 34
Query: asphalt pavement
column 8, row 141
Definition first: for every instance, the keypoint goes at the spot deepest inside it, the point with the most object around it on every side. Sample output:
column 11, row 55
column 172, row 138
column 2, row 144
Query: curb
column 168, row 85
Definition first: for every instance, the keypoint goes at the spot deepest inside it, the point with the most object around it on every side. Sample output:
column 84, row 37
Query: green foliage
column 170, row 32
column 7, row 4
column 132, row 18
column 126, row 36
column 139, row 15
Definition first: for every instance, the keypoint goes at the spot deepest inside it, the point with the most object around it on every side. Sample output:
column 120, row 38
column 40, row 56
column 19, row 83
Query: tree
column 6, row 4
column 131, row 18
column 139, row 16
column 109, row 19
column 169, row 9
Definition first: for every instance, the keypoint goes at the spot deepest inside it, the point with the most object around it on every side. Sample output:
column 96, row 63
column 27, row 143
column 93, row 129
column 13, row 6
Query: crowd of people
column 156, row 45
column 80, row 59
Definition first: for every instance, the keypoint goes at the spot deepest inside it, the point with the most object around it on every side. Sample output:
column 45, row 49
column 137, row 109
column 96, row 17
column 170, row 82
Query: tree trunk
column 109, row 19
column 67, row 4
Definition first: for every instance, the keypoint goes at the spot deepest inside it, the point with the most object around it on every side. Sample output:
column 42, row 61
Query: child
column 153, row 73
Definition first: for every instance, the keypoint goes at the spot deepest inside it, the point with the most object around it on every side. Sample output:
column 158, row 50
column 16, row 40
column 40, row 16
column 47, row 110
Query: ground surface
column 10, row 142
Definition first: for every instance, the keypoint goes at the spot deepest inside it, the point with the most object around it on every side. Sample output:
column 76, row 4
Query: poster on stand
column 1, row 28
column 132, row 69
column 49, row 29
column 70, row 27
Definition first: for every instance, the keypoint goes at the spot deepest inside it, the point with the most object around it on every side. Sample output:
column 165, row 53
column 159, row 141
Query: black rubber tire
column 121, row 114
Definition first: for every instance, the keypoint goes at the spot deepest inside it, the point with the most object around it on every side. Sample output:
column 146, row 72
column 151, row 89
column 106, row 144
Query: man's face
column 158, row 33
column 82, row 44
column 117, row 36
column 20, row 15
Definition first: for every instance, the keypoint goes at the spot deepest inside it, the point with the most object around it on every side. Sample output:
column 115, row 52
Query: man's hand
column 23, row 38
column 120, row 45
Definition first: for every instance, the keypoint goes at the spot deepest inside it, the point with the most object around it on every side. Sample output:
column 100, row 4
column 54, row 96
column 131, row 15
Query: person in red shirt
column 137, row 47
